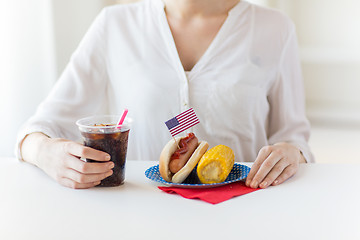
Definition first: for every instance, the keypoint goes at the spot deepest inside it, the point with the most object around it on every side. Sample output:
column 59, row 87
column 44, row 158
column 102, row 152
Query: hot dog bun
column 184, row 172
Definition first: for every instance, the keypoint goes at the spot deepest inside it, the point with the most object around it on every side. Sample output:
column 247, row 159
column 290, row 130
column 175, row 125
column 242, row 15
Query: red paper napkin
column 212, row 195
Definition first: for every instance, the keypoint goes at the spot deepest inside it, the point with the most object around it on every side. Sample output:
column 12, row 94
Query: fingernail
column 97, row 183
column 107, row 157
column 111, row 165
column 263, row 184
column 111, row 173
column 276, row 182
column 254, row 184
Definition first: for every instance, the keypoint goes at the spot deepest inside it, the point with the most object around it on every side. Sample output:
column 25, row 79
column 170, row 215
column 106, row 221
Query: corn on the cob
column 216, row 164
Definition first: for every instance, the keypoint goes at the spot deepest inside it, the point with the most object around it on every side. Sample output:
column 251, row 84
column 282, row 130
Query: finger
column 263, row 154
column 79, row 150
column 274, row 173
column 264, row 169
column 86, row 178
column 75, row 185
column 286, row 174
column 88, row 167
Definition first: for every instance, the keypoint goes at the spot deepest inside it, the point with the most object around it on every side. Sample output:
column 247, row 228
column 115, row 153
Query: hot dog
column 180, row 156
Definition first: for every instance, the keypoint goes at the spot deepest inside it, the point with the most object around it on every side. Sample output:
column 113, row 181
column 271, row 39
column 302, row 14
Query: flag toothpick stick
column 177, row 144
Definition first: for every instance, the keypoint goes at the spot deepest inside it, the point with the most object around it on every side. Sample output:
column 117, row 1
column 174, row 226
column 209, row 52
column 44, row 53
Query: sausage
column 181, row 156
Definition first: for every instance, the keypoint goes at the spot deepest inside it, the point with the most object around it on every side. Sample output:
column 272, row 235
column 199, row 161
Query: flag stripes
column 182, row 122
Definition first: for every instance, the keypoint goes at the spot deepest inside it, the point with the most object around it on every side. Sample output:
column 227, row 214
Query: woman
column 235, row 63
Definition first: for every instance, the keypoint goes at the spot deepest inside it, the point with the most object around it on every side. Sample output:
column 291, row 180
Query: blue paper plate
column 239, row 172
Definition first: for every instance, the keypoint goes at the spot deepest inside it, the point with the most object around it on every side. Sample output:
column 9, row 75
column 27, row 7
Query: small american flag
column 182, row 122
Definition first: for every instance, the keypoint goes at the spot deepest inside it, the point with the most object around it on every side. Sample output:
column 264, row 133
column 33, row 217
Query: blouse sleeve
column 79, row 91
column 288, row 122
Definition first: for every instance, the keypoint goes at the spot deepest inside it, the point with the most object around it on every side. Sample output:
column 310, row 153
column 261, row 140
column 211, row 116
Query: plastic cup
column 102, row 133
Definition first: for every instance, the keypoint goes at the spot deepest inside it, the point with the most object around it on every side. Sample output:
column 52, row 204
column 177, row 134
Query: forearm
column 31, row 147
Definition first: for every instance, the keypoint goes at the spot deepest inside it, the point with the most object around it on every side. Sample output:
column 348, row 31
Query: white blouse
column 247, row 88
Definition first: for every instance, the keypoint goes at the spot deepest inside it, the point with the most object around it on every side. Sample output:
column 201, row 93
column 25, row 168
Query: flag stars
column 182, row 122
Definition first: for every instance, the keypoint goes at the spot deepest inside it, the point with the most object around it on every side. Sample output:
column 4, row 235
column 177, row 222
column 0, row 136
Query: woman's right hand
column 61, row 160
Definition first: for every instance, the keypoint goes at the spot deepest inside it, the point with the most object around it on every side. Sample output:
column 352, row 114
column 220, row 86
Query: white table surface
column 320, row 202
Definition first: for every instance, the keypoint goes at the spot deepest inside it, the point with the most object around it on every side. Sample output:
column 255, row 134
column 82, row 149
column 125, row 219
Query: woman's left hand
column 274, row 164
